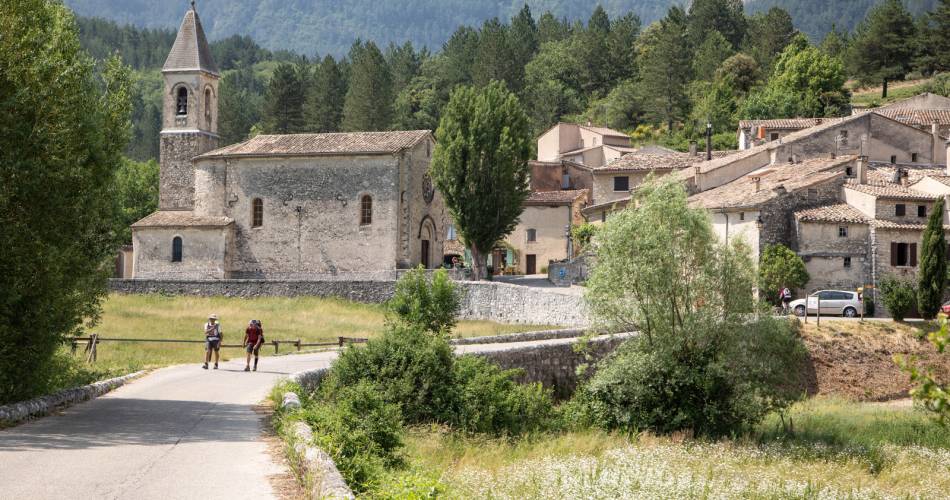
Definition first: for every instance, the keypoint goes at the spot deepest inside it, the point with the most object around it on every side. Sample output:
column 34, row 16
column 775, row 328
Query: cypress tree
column 369, row 98
column 932, row 275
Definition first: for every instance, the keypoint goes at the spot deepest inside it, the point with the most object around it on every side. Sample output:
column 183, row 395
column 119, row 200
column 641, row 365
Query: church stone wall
column 422, row 220
column 205, row 253
column 177, row 175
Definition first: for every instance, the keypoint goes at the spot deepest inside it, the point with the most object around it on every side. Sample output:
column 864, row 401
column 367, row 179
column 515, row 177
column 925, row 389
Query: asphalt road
column 179, row 432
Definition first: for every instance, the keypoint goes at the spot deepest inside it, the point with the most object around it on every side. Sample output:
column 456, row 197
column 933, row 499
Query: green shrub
column 899, row 296
column 490, row 401
column 779, row 267
column 712, row 378
column 360, row 430
column 431, row 304
column 412, row 369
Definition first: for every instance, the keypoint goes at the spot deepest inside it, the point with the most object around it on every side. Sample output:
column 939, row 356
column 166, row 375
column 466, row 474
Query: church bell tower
column 189, row 113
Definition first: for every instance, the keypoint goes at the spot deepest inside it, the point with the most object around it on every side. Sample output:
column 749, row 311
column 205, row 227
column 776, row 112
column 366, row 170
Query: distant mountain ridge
column 330, row 26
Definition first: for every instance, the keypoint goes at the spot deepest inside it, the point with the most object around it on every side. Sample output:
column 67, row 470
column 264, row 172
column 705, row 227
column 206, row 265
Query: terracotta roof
column 832, row 213
column 191, row 50
column 883, row 173
column 604, row 131
column 887, row 224
column 341, row 143
column 917, row 117
column 565, row 197
column 943, row 179
column 621, row 203
column 891, row 192
column 773, row 181
column 785, row 123
column 657, row 161
column 179, row 218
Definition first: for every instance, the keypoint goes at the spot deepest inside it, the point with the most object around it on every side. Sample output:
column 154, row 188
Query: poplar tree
column 932, row 276
column 883, row 46
column 369, row 98
column 323, row 109
column 480, row 165
column 61, row 140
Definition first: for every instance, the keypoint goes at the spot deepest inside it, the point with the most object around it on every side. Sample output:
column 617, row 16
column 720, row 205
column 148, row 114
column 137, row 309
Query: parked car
column 839, row 302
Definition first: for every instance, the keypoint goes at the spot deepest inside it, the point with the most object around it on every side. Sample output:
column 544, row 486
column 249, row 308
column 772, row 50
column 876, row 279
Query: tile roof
column 565, row 197
column 657, row 161
column 191, row 50
column 883, row 173
column 916, row 117
column 340, row 143
column 943, row 179
column 621, row 203
column 773, row 180
column 180, row 218
column 891, row 191
column 785, row 123
column 832, row 213
column 887, row 224
column 603, row 131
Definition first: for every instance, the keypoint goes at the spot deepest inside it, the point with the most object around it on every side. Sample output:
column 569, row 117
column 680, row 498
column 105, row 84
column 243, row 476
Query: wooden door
column 531, row 263
column 425, row 254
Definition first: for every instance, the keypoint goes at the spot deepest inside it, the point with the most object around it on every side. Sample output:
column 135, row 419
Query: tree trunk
column 478, row 264
column 884, row 89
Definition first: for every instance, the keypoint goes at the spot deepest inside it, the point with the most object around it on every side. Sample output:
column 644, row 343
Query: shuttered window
column 903, row 254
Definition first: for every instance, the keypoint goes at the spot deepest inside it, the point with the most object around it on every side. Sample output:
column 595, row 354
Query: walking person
column 213, row 338
column 786, row 296
column 253, row 340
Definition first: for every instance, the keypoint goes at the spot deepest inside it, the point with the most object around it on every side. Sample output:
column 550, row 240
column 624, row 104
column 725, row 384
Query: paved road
column 179, row 432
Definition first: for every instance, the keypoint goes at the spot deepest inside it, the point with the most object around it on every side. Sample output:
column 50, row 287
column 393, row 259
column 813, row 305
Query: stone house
column 543, row 232
column 281, row 206
column 582, row 144
column 834, row 241
column 755, row 132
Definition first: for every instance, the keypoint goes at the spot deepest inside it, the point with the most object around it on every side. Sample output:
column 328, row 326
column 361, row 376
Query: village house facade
column 582, row 144
column 281, row 206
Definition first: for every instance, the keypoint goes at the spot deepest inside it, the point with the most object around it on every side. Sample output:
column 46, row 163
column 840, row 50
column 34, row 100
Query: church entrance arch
column 426, row 235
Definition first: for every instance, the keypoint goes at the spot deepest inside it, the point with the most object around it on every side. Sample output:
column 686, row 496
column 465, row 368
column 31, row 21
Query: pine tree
column 369, row 98
column 239, row 105
column 404, row 63
column 621, row 49
column 934, row 42
column 883, row 47
column 767, row 35
column 552, row 29
column 724, row 16
column 932, row 276
column 710, row 55
column 480, row 165
column 665, row 72
column 494, row 57
column 323, row 109
column 523, row 43
column 283, row 102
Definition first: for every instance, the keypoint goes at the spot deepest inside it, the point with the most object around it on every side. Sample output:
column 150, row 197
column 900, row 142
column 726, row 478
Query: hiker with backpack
column 253, row 340
column 213, row 338
column 785, row 295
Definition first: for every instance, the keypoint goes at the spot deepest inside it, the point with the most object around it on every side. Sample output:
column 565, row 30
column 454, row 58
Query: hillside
column 324, row 26
column 817, row 17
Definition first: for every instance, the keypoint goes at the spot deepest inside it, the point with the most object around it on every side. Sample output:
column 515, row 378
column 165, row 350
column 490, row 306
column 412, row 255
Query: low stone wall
column 500, row 302
column 316, row 467
column 521, row 337
column 555, row 365
column 17, row 412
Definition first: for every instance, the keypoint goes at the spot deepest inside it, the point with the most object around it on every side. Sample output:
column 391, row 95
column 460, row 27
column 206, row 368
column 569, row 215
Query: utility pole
column 708, row 141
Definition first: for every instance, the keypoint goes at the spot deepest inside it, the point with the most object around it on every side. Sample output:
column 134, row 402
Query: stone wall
column 499, row 302
column 564, row 273
column 555, row 365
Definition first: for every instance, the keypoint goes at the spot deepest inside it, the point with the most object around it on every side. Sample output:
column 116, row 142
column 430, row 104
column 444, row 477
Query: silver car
column 839, row 302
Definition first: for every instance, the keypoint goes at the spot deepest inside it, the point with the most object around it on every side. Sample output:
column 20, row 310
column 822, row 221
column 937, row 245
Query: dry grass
column 307, row 318
column 838, row 450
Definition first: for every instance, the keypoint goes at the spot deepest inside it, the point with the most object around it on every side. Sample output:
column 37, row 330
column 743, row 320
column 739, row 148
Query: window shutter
column 913, row 255
column 894, row 253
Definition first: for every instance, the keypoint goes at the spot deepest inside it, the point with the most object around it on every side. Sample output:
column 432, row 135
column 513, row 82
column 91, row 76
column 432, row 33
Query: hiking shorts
column 251, row 348
column 212, row 344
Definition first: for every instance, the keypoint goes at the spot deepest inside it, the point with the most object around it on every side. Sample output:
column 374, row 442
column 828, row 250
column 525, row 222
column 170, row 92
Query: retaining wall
column 17, row 412
column 501, row 302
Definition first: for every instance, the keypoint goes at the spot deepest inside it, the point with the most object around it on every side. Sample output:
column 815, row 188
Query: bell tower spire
column 189, row 112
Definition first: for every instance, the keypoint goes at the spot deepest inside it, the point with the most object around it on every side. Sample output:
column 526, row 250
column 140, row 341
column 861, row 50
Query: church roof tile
column 337, row 143
column 191, row 51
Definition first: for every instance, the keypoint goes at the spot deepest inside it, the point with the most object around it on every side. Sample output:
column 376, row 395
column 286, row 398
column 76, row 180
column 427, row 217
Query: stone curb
column 17, row 412
column 522, row 337
column 316, row 465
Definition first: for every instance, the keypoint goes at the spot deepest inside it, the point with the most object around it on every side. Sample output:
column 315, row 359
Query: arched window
column 182, row 103
column 257, row 212
column 176, row 249
column 366, row 210
column 208, row 107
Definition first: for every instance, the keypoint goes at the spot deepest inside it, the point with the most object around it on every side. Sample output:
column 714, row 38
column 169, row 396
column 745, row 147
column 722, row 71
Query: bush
column 780, row 267
column 899, row 296
column 411, row 368
column 360, row 430
column 713, row 379
column 431, row 305
column 490, row 401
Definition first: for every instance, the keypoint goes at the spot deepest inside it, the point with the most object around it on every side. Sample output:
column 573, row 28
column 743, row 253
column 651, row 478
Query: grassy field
column 895, row 91
column 836, row 449
column 307, row 318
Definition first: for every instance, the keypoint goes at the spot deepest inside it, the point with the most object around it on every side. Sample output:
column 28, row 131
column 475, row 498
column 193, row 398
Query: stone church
column 301, row 206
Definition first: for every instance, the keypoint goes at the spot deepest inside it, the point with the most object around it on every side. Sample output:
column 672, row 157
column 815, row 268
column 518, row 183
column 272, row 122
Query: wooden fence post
column 297, row 343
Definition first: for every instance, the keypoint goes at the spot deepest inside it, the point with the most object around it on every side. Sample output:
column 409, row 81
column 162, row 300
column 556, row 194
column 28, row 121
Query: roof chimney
column 937, row 142
column 692, row 148
column 780, row 189
column 862, row 167
column 757, row 181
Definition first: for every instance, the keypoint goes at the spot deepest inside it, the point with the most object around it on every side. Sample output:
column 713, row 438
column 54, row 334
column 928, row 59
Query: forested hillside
column 331, row 26
column 816, row 18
